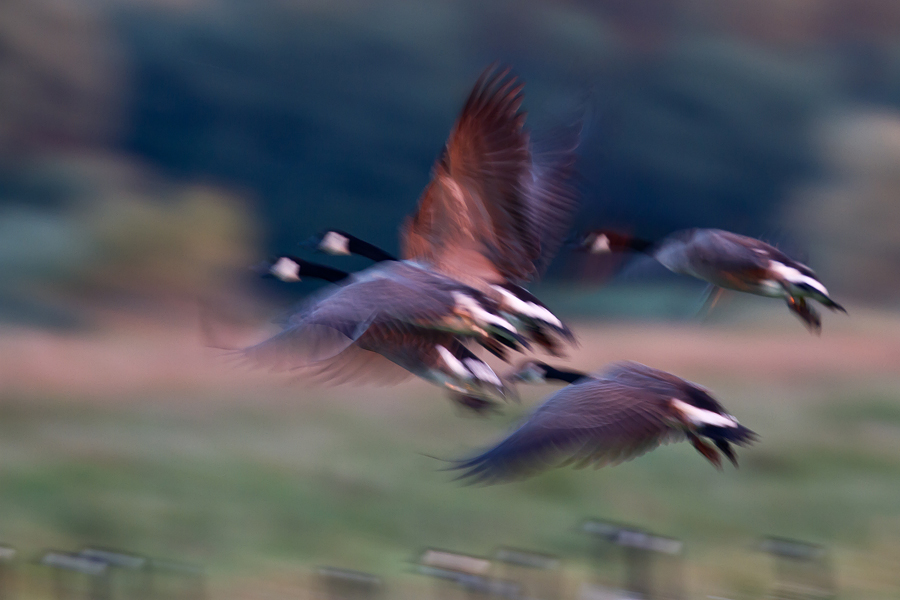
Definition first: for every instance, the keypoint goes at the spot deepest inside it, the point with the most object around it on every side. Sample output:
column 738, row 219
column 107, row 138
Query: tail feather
column 829, row 303
column 740, row 435
column 722, row 437
column 725, row 448
column 708, row 452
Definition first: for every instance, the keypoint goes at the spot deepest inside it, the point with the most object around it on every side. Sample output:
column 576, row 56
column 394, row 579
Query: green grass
column 248, row 488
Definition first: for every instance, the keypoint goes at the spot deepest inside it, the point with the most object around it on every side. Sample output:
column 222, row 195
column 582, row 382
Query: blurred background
column 152, row 150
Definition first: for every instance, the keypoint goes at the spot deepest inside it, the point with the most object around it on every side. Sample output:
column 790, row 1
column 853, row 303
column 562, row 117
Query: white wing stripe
column 701, row 416
column 792, row 275
column 453, row 363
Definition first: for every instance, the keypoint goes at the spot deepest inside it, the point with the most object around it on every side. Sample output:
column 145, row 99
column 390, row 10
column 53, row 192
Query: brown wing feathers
column 476, row 198
column 608, row 419
column 597, row 422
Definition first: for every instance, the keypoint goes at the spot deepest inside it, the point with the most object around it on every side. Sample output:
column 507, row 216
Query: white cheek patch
column 453, row 363
column 482, row 371
column 516, row 305
column 792, row 275
column 600, row 244
column 701, row 416
column 285, row 269
column 335, row 243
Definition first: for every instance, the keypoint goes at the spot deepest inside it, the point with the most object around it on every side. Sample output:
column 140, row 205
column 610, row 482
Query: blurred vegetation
column 328, row 479
column 62, row 78
column 331, row 113
column 850, row 222
column 115, row 226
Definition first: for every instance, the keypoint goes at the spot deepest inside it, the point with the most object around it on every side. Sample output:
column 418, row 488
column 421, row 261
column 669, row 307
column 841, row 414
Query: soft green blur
column 259, row 482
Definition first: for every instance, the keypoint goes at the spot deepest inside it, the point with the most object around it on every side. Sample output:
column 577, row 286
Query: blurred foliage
column 190, row 243
column 707, row 134
column 245, row 487
column 122, row 228
column 61, row 77
column 331, row 113
column 850, row 223
column 701, row 114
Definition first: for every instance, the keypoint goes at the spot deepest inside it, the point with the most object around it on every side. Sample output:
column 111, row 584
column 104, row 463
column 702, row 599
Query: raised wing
column 476, row 200
column 551, row 196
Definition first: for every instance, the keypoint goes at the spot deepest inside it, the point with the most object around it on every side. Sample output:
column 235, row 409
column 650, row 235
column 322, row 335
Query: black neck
column 317, row 271
column 551, row 373
column 623, row 242
column 367, row 250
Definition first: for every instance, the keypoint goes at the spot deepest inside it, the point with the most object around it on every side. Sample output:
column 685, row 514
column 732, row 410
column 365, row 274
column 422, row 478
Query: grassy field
column 259, row 481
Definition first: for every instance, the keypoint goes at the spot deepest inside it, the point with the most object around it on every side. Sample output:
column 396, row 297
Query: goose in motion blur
column 728, row 261
column 475, row 230
column 498, row 204
column 496, row 209
column 365, row 312
column 607, row 418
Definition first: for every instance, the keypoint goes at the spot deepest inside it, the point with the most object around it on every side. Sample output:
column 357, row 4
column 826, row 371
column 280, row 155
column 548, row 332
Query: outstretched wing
column 394, row 295
column 594, row 421
column 551, row 195
column 475, row 204
column 387, row 354
column 356, row 365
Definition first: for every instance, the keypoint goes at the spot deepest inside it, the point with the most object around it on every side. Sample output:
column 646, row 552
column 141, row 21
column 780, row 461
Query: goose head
column 292, row 269
column 334, row 242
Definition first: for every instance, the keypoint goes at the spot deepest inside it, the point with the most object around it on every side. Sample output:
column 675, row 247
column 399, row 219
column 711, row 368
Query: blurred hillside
column 331, row 113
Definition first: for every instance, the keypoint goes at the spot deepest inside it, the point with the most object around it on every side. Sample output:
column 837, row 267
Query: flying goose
column 496, row 209
column 728, row 261
column 607, row 418
column 498, row 205
column 520, row 306
column 486, row 221
column 426, row 350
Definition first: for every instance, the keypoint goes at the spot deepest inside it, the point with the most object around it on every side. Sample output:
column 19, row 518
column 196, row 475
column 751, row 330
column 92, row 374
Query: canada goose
column 486, row 221
column 730, row 261
column 496, row 209
column 613, row 416
column 516, row 303
column 427, row 351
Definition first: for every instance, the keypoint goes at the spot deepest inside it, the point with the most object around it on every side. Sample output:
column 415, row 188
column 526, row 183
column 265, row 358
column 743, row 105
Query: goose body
column 428, row 351
column 730, row 261
column 519, row 306
column 606, row 418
